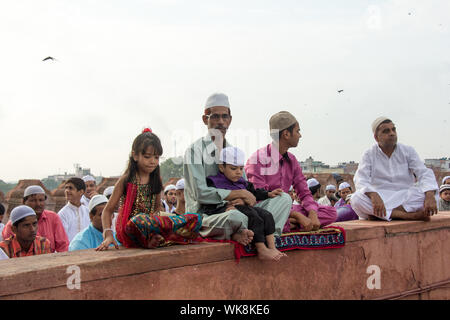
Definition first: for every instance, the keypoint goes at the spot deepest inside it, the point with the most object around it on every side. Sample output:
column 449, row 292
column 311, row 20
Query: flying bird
column 49, row 58
column 339, row 91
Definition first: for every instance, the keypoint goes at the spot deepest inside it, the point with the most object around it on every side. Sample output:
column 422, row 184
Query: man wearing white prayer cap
column 201, row 160
column 344, row 190
column 108, row 191
column 92, row 236
column 181, row 202
column 91, row 185
column 385, row 180
column 170, row 198
column 329, row 199
column 314, row 187
column 24, row 241
column 49, row 223
column 446, row 180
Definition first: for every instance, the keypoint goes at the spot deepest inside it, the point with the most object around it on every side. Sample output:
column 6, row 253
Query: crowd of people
column 223, row 195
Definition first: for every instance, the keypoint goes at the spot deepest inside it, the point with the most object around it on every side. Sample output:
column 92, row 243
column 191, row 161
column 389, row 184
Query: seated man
column 329, row 199
column 24, row 241
column 170, row 198
column 343, row 207
column 92, row 236
column 273, row 167
column 201, row 160
column 385, row 180
column 181, row 203
column 49, row 224
column 91, row 184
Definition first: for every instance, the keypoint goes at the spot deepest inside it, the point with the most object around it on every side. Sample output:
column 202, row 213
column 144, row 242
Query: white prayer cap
column 444, row 187
column 21, row 212
column 96, row 200
column 233, row 156
column 88, row 178
column 344, row 185
column 33, row 190
column 180, row 184
column 330, row 187
column 445, row 178
column 217, row 100
column 108, row 191
column 312, row 182
column 291, row 188
column 377, row 122
column 170, row 187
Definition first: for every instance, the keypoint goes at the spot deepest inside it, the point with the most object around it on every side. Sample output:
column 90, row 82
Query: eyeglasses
column 216, row 116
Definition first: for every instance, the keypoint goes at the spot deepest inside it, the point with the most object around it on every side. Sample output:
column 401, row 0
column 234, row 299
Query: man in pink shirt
column 49, row 223
column 273, row 167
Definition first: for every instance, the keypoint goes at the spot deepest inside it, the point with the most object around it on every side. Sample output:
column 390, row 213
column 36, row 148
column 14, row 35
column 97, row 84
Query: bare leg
column 243, row 236
column 270, row 239
column 401, row 214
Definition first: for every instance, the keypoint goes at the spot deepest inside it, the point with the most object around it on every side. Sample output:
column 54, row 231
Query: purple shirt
column 268, row 169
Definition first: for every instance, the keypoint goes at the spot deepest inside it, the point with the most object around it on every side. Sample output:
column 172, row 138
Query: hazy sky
column 124, row 65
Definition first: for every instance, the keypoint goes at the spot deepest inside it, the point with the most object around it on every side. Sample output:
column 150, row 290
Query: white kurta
column 324, row 201
column 85, row 201
column 393, row 179
column 74, row 219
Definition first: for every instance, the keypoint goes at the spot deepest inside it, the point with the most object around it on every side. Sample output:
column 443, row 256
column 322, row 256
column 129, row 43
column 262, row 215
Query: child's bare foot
column 265, row 253
column 243, row 236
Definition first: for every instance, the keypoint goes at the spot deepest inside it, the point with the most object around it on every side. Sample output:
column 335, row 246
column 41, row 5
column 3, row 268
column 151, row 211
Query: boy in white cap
column 170, row 200
column 49, row 224
column 201, row 160
column 343, row 207
column 24, row 242
column 181, row 202
column 444, row 201
column 92, row 236
column 107, row 193
column 329, row 199
column 314, row 188
column 446, row 180
column 91, row 184
column 260, row 221
column 386, row 176
column 74, row 215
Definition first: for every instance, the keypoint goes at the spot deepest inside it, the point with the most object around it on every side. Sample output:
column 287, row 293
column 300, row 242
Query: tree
column 171, row 168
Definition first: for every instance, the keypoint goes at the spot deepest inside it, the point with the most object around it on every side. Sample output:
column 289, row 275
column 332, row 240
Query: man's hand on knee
column 430, row 205
column 379, row 209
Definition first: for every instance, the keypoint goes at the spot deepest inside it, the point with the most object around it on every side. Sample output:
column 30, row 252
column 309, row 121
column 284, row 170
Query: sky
column 125, row 65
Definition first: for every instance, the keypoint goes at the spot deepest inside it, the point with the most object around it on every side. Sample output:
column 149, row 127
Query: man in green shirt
column 201, row 160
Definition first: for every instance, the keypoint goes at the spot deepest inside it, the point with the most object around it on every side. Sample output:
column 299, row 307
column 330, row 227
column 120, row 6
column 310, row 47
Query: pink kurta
column 50, row 227
column 268, row 169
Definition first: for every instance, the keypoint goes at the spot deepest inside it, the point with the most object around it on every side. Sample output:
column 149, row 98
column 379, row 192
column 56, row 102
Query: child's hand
column 274, row 193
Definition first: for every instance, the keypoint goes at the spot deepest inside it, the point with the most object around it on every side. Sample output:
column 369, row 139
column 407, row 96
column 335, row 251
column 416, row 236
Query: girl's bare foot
column 243, row 236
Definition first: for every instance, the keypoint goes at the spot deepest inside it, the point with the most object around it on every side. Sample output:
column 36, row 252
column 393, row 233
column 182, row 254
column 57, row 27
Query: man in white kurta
column 386, row 186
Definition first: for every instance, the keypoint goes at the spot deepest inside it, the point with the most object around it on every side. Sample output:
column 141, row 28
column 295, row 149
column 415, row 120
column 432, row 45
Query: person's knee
column 237, row 220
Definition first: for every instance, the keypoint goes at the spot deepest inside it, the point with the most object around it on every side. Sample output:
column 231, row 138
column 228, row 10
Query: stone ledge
column 411, row 255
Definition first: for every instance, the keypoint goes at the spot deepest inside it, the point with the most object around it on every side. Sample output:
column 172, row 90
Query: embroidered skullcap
column 108, row 191
column 96, row 200
column 344, row 185
column 445, row 178
column 180, row 184
column 330, row 187
column 217, row 100
column 88, row 178
column 377, row 122
column 33, row 190
column 312, row 182
column 169, row 187
column 281, row 120
column 21, row 212
column 233, row 156
column 444, row 187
